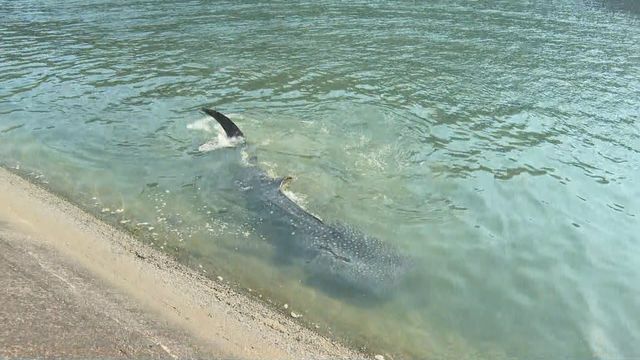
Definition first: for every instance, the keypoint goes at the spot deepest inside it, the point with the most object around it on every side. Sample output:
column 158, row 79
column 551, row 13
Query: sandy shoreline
column 114, row 286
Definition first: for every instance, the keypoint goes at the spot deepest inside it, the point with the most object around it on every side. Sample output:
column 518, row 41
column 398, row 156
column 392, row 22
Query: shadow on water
column 345, row 292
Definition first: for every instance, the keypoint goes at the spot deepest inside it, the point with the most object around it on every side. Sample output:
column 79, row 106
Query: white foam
column 601, row 345
column 245, row 158
column 220, row 141
column 298, row 199
column 269, row 168
column 203, row 124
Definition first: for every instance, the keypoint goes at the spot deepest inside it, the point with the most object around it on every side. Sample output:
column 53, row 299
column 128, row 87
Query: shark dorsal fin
column 229, row 127
column 284, row 182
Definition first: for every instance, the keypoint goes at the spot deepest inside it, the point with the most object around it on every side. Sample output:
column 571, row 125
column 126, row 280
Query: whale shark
column 337, row 258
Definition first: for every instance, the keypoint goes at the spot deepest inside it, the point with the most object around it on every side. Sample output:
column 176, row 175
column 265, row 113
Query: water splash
column 220, row 141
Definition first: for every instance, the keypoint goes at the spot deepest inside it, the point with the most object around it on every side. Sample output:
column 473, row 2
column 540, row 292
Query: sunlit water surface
column 495, row 144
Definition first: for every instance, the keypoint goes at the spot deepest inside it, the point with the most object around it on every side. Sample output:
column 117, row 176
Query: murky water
column 495, row 144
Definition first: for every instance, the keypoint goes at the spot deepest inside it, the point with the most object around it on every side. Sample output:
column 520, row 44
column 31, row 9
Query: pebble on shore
column 295, row 315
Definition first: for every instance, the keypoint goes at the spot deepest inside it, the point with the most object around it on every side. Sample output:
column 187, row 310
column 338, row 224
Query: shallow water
column 494, row 143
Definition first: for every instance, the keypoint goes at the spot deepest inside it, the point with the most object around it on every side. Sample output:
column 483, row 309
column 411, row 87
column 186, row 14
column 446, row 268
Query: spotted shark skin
column 337, row 258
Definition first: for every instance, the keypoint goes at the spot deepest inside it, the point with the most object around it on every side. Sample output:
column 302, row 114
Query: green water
column 494, row 143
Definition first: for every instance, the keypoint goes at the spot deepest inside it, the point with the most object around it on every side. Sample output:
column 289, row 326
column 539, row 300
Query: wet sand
column 73, row 286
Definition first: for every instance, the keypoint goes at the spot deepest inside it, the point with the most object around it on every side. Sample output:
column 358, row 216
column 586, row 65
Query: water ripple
column 496, row 142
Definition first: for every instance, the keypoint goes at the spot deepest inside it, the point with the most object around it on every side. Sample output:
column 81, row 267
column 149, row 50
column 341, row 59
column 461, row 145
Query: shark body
column 337, row 258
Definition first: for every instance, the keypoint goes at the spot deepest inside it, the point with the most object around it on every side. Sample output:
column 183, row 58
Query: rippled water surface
column 494, row 144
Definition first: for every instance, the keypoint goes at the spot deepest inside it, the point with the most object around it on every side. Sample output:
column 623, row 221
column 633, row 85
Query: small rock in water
column 286, row 306
column 220, row 278
column 295, row 315
column 379, row 357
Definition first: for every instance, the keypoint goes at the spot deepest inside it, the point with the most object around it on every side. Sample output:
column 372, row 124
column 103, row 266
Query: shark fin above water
column 229, row 127
column 284, row 182
column 282, row 187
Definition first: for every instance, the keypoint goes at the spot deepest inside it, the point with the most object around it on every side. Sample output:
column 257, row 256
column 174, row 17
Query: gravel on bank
column 74, row 286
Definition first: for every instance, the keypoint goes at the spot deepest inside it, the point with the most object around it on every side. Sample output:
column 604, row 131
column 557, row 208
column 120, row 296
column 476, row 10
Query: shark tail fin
column 229, row 127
